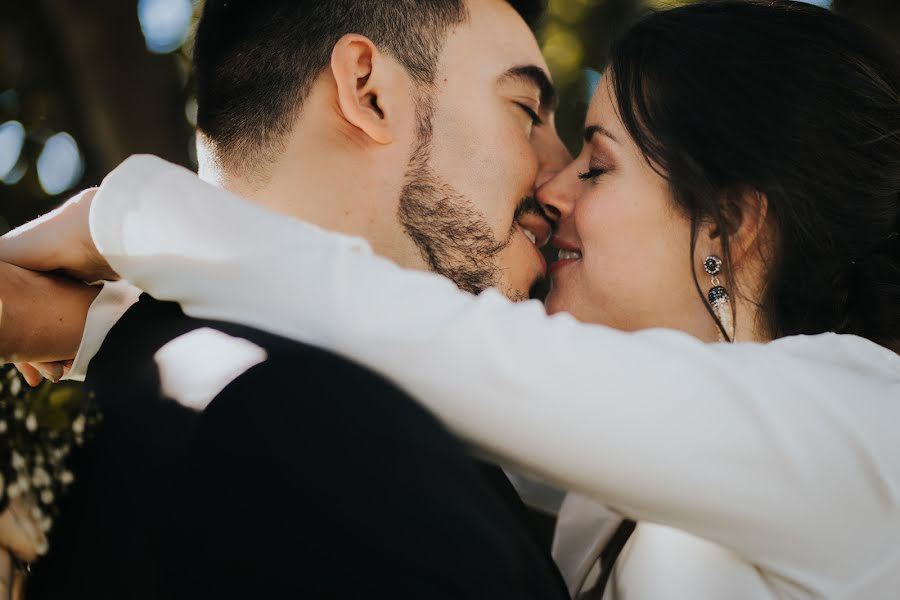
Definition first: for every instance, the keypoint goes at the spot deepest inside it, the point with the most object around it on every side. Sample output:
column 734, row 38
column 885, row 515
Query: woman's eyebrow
column 591, row 130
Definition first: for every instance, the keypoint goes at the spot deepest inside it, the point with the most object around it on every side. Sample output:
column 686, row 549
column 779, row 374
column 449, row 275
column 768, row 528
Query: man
column 420, row 126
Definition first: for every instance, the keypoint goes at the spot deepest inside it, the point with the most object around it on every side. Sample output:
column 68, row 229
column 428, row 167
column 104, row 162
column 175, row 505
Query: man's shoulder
column 151, row 326
column 157, row 347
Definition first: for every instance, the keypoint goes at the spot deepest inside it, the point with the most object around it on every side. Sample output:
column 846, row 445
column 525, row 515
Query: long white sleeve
column 786, row 453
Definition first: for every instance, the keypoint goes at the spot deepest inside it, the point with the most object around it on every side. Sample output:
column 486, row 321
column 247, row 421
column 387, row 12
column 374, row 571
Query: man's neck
column 335, row 190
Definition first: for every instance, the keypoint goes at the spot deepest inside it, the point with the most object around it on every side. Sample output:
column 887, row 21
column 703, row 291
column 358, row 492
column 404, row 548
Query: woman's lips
column 568, row 254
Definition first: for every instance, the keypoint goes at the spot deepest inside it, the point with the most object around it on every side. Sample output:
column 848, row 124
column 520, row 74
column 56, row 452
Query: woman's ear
column 746, row 226
column 366, row 86
column 748, row 231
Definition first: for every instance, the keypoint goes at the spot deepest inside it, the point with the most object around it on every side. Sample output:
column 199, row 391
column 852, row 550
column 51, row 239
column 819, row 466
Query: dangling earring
column 718, row 296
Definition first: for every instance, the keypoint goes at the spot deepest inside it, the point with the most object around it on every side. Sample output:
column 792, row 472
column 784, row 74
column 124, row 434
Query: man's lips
column 536, row 247
column 538, row 234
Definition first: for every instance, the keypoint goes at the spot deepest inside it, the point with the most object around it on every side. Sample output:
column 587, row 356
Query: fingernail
column 53, row 373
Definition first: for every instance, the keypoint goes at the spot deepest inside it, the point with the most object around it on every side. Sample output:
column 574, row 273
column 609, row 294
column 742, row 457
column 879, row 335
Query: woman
column 740, row 180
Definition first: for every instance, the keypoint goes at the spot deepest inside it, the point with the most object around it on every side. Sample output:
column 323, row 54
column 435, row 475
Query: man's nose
column 553, row 158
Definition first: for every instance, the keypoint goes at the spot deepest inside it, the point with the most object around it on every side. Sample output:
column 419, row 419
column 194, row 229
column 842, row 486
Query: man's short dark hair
column 255, row 60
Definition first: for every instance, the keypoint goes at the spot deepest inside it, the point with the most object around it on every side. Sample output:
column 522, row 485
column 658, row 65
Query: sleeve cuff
column 115, row 198
column 111, row 303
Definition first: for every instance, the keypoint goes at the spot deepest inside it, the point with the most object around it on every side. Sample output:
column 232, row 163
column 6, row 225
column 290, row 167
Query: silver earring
column 718, row 296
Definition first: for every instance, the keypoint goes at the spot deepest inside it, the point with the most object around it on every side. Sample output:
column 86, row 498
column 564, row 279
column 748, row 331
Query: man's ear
column 367, row 86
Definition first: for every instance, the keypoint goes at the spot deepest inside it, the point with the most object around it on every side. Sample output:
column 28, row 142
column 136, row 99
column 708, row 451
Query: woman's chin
column 557, row 303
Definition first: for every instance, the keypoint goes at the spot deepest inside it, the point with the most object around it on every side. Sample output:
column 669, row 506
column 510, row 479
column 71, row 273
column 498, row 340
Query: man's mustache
column 529, row 206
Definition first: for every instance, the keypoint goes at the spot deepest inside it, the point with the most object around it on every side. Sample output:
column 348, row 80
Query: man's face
column 467, row 202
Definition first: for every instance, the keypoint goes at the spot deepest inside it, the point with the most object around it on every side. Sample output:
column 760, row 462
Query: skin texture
column 353, row 142
column 28, row 319
column 636, row 265
column 347, row 160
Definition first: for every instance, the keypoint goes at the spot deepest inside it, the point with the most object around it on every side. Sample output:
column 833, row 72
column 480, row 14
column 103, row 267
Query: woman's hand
column 59, row 241
column 42, row 318
column 45, row 317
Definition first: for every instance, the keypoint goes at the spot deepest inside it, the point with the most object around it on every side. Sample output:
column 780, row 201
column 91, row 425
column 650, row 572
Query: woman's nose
column 555, row 197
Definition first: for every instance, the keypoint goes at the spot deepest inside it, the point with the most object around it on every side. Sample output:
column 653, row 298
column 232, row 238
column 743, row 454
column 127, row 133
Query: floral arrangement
column 38, row 429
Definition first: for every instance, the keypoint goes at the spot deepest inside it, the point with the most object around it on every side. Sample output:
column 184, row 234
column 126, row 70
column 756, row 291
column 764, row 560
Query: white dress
column 755, row 470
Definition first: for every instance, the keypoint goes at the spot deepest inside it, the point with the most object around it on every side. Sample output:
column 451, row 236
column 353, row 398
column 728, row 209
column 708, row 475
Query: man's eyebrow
column 536, row 76
column 591, row 130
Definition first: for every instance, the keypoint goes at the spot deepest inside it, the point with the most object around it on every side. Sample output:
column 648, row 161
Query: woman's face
column 624, row 245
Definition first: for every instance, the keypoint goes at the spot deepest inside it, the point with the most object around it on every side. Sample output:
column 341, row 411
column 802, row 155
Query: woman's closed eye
column 592, row 173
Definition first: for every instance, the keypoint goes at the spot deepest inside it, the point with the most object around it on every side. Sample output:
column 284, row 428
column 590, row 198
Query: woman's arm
column 786, row 452
column 41, row 316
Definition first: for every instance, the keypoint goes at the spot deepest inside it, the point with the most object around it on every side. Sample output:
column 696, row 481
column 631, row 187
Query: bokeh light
column 17, row 173
column 59, row 166
column 165, row 23
column 591, row 80
column 570, row 11
column 12, row 139
column 563, row 51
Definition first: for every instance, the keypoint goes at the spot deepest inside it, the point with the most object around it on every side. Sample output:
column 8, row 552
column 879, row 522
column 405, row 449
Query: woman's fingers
column 37, row 371
column 31, row 375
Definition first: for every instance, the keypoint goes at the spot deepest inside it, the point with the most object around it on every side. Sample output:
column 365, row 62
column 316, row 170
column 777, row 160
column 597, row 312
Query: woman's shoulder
column 841, row 349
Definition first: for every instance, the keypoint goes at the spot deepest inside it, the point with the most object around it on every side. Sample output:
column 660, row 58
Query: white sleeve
column 786, row 453
column 111, row 303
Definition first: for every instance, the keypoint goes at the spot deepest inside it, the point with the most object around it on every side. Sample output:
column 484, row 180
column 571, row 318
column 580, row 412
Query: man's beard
column 452, row 235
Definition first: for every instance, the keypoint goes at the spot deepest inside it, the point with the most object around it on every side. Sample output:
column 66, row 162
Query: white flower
column 15, row 386
column 66, row 477
column 18, row 461
column 19, row 413
column 35, row 513
column 13, row 491
column 47, row 497
column 78, row 425
column 31, row 423
column 46, row 524
column 40, row 478
column 2, row 426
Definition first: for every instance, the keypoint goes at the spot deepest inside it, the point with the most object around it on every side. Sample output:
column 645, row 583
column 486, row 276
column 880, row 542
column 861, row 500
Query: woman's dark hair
column 793, row 102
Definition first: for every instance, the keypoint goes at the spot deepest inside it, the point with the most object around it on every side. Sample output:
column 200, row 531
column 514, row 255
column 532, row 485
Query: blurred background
column 86, row 83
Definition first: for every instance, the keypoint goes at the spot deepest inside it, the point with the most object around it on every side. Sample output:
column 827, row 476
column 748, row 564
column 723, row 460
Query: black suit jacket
column 307, row 476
